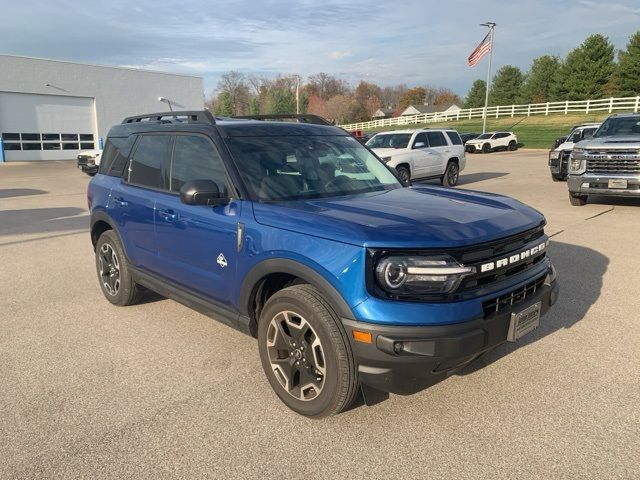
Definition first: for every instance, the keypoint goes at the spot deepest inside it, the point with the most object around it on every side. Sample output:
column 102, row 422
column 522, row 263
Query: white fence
column 578, row 106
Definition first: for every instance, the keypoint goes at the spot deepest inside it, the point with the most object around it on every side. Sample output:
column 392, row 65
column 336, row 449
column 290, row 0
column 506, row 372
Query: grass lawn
column 537, row 131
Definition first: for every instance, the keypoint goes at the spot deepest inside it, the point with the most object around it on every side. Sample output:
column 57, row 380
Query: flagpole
column 491, row 26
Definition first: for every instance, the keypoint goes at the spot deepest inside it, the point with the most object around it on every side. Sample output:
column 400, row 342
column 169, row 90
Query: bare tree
column 235, row 85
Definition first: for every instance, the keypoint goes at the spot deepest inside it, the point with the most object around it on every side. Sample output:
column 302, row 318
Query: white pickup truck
column 426, row 153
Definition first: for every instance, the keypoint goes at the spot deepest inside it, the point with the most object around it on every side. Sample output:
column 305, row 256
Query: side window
column 195, row 158
column 421, row 138
column 112, row 157
column 148, row 161
column 501, row 135
column 436, row 139
column 454, row 137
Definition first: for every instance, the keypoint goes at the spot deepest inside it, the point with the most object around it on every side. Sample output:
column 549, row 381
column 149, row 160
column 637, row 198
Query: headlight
column 553, row 155
column 578, row 153
column 577, row 166
column 408, row 275
column 386, row 159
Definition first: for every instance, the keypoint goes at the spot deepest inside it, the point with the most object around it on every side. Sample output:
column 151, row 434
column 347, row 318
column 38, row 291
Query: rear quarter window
column 115, row 155
column 455, row 138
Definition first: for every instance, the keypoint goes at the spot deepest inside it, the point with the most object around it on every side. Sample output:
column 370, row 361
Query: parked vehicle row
column 298, row 235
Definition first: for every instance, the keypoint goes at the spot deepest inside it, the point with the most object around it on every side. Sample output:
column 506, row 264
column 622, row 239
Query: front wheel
column 486, row 148
column 404, row 174
column 451, row 175
column 305, row 353
column 558, row 178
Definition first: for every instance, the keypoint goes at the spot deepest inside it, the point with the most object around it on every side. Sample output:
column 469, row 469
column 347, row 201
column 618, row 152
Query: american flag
column 481, row 50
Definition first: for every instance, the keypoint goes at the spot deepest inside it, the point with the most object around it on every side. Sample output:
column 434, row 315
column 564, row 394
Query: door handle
column 168, row 215
column 121, row 202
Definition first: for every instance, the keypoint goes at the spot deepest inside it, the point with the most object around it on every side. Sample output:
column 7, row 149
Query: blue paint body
column 329, row 236
column 1, row 151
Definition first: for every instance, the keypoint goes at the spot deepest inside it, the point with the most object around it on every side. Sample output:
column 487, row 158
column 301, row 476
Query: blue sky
column 403, row 41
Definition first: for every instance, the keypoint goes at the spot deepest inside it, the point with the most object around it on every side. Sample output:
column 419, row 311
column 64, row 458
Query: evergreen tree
column 475, row 97
column 586, row 70
column 223, row 105
column 506, row 88
column 280, row 100
column 541, row 79
column 629, row 67
column 254, row 106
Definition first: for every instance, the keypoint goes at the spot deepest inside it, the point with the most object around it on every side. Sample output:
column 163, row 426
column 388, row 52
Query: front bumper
column 428, row 354
column 470, row 148
column 559, row 166
column 598, row 184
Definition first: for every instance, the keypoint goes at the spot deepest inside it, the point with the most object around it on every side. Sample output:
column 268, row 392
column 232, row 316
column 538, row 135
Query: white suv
column 422, row 153
column 490, row 141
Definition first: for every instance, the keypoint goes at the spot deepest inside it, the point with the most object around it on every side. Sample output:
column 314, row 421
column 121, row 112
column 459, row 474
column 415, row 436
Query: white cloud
column 338, row 55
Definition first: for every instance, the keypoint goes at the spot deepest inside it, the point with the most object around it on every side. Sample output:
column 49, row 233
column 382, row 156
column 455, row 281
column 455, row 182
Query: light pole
column 167, row 101
column 297, row 77
column 491, row 26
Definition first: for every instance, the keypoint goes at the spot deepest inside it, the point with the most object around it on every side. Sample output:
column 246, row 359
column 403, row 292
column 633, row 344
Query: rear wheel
column 113, row 271
column 578, row 201
column 404, row 174
column 451, row 175
column 486, row 148
column 512, row 145
column 305, row 353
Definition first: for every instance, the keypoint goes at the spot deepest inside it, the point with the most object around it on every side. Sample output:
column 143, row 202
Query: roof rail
column 188, row 116
column 298, row 117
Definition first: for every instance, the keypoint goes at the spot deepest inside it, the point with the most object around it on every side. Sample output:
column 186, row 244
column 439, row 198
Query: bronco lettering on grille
column 510, row 260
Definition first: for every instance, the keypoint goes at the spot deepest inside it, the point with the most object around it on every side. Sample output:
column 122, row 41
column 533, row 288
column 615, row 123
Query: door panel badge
column 222, row 261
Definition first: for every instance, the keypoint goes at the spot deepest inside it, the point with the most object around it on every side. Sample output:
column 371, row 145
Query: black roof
column 248, row 126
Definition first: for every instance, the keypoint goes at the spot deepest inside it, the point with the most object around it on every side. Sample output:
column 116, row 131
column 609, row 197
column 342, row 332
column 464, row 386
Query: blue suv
column 297, row 234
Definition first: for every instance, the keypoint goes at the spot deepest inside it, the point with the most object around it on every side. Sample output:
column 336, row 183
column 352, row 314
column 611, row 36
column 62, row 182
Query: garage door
column 46, row 127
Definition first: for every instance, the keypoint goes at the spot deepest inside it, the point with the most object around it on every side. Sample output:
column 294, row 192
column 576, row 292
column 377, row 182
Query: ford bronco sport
column 297, row 234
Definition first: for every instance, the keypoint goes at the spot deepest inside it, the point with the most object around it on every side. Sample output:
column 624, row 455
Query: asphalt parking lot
column 89, row 390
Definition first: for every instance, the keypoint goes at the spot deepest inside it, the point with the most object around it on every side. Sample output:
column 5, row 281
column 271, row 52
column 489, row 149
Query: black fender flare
column 291, row 267
column 103, row 216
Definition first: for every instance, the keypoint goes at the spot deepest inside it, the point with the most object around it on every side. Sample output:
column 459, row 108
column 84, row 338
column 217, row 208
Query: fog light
column 398, row 347
column 585, row 185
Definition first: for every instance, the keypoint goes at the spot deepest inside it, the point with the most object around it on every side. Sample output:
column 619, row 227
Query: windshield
column 390, row 140
column 297, row 167
column 619, row 126
column 484, row 136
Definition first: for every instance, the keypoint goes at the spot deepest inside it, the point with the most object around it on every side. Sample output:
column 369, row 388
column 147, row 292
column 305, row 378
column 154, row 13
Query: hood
column 565, row 146
column 416, row 217
column 623, row 142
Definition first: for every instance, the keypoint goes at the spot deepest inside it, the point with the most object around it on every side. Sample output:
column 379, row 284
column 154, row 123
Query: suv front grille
column 518, row 295
column 613, row 161
column 500, row 250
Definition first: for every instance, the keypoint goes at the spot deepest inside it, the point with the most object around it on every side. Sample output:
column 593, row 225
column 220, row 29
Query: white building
column 49, row 110
column 420, row 109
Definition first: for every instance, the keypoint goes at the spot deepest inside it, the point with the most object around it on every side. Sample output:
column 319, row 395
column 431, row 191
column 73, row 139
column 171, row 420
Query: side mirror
column 419, row 145
column 576, row 137
column 201, row 192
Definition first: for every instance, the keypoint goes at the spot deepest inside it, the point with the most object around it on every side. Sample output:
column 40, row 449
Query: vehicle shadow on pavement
column 20, row 192
column 580, row 273
column 614, row 201
column 42, row 220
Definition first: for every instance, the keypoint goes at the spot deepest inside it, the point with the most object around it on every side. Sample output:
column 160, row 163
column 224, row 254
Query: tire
column 114, row 275
column 578, row 201
column 451, row 175
column 330, row 372
column 558, row 178
column 404, row 174
column 486, row 148
column 513, row 146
